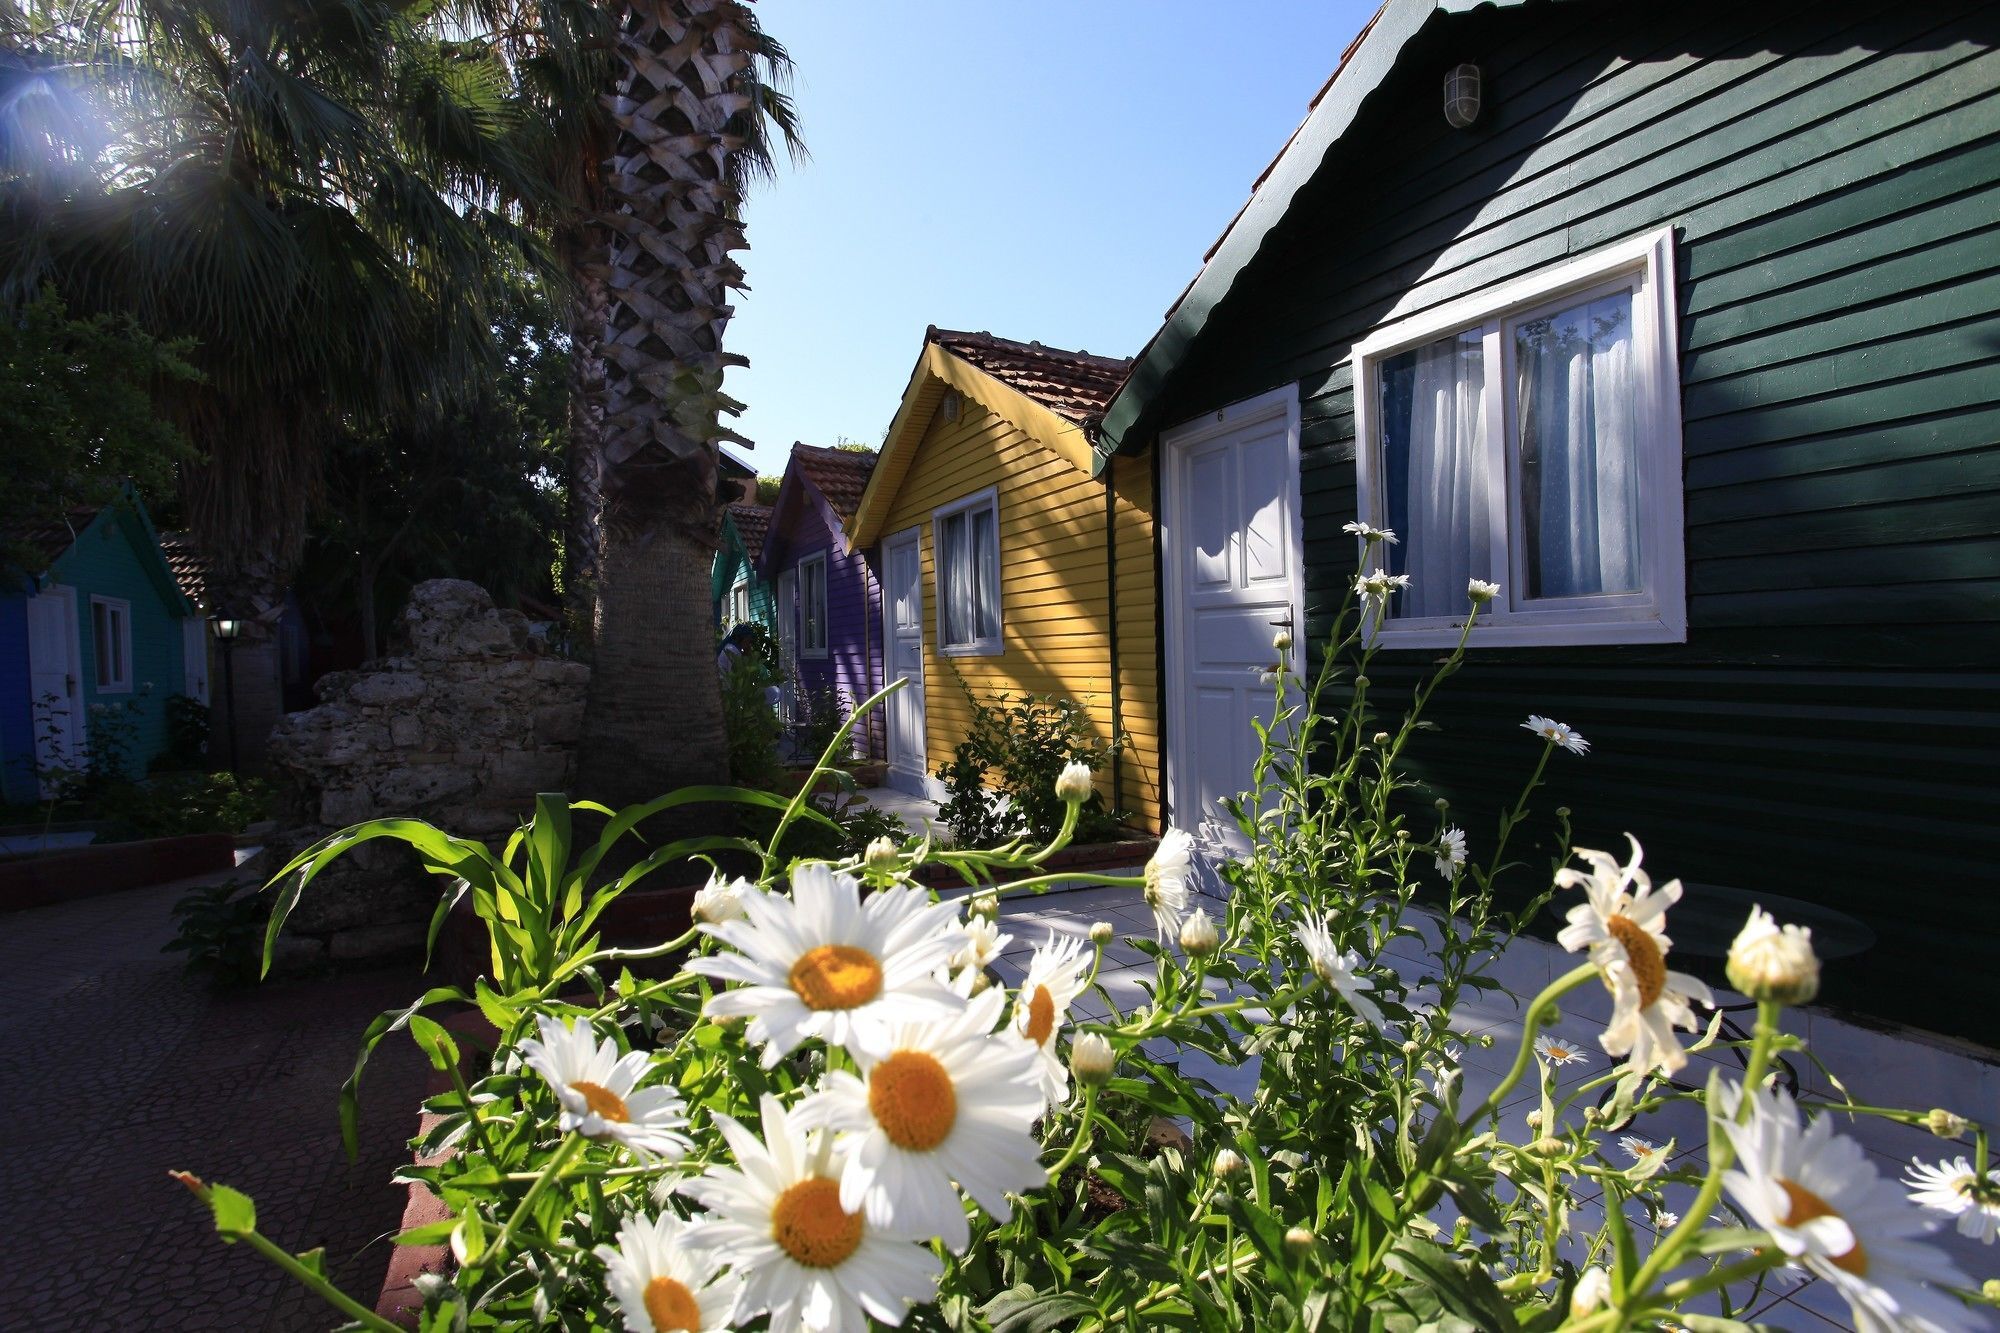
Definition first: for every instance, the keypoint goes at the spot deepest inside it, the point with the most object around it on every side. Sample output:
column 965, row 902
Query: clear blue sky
column 1042, row 169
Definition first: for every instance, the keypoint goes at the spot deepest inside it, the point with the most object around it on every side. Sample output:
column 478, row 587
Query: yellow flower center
column 912, row 1099
column 836, row 976
column 607, row 1104
column 672, row 1307
column 1559, row 1052
column 1642, row 955
column 1802, row 1206
column 1041, row 1016
column 810, row 1226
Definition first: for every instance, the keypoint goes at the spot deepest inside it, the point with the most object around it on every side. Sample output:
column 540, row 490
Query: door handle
column 1286, row 623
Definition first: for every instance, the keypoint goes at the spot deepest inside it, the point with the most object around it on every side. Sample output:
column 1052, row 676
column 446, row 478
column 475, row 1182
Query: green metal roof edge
column 1398, row 22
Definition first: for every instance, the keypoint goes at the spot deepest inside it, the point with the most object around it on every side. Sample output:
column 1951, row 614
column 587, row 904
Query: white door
column 55, row 665
column 1234, row 550
column 787, row 612
column 194, row 659
column 903, row 640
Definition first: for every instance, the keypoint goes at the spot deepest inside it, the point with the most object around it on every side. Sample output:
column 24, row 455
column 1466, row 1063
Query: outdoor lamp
column 227, row 627
column 1461, row 96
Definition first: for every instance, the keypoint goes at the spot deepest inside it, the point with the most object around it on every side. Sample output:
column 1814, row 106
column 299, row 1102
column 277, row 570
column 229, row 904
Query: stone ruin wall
column 461, row 729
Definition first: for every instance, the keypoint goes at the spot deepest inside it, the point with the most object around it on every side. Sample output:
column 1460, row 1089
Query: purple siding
column 803, row 526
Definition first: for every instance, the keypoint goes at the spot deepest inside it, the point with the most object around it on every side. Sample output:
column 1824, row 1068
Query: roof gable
column 1053, row 396
column 127, row 515
column 1363, row 67
column 831, row 480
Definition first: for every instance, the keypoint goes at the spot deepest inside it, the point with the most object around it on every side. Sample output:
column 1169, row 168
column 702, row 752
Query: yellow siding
column 1054, row 597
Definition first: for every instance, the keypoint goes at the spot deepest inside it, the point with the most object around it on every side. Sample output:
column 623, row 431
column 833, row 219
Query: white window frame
column 121, row 609
column 989, row 645
column 1658, row 612
column 806, row 647
column 739, row 602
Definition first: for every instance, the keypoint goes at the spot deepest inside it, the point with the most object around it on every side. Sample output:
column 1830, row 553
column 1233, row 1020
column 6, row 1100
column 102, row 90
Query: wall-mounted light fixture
column 227, row 627
column 1461, row 96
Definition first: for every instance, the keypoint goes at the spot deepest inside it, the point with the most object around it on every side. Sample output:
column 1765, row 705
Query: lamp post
column 228, row 629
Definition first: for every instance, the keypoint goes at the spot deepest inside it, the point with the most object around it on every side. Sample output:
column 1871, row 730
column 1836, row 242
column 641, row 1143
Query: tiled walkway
column 115, row 1069
column 1897, row 1072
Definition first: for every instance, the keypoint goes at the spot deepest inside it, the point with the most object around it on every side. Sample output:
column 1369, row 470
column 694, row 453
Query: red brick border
column 81, row 872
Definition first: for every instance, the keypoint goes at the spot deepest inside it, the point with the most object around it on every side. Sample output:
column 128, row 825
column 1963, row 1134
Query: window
column 812, row 606
column 1531, row 437
column 739, row 604
column 111, row 639
column 965, row 537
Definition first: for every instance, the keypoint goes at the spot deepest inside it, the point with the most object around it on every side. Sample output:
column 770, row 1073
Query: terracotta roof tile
column 1075, row 385
column 49, row 538
column 753, row 523
column 841, row 475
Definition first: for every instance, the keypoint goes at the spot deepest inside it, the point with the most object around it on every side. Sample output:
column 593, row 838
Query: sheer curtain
column 985, row 553
column 1444, row 509
column 1579, row 473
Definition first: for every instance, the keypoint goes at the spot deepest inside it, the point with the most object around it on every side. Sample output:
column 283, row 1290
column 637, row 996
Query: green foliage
column 1022, row 743
column 818, row 715
column 189, row 722
column 76, row 411
column 749, row 718
column 221, row 930
column 173, row 804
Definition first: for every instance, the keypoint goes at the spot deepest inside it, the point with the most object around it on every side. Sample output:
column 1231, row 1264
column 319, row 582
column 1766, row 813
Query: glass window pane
column 1577, row 418
column 954, row 582
column 1434, row 471
column 986, row 574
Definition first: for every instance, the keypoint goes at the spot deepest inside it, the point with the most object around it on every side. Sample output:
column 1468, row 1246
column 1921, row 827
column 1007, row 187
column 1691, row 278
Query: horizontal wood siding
column 18, row 781
column 1055, row 603
column 1831, row 729
column 851, row 663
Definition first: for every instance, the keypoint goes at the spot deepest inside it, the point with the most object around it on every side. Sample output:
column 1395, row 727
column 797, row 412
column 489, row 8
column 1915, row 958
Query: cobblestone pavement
column 115, row 1068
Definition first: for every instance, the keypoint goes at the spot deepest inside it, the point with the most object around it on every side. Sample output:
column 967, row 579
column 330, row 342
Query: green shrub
column 817, row 717
column 1025, row 741
column 221, row 930
column 749, row 719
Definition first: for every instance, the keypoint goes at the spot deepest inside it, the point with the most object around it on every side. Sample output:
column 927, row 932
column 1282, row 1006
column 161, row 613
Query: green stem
column 1550, row 993
column 498, row 1248
column 322, row 1288
column 477, row 1125
column 1076, row 1145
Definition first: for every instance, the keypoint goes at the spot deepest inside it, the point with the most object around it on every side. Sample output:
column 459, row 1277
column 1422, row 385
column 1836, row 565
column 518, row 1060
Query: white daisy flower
column 721, row 899
column 1167, row 875
column 1073, row 784
column 1666, row 1219
column 662, row 1285
column 822, row 963
column 1638, row 1149
column 777, row 1221
column 1559, row 733
column 1367, row 532
column 1375, row 587
column 983, row 943
column 1451, row 851
column 1054, row 980
column 1621, row 925
column 1831, row 1212
column 594, row 1084
column 948, row 1102
column 1338, row 970
column 1480, row 591
column 1952, row 1190
column 1559, row 1050
column 1592, row 1293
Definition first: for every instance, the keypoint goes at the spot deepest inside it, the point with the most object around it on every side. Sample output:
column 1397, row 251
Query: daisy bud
column 1946, row 1125
column 1771, row 963
column 1299, row 1242
column 1074, row 784
column 1990, row 1290
column 1535, row 1118
column 1228, row 1164
column 985, row 903
column 1481, row 592
column 881, row 854
column 1091, row 1060
column 1592, row 1115
column 1198, row 936
column 1282, row 640
column 1101, row 933
column 1562, row 812
column 1593, row 1292
column 719, row 900
column 1547, row 1146
column 1361, row 682
column 1441, row 804
column 1381, row 738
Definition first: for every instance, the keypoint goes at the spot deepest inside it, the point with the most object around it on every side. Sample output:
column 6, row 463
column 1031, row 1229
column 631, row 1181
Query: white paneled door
column 55, row 668
column 1234, row 551
column 903, row 640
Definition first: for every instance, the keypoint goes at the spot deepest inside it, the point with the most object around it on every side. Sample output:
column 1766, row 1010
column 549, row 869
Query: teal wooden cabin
column 1687, row 333
column 101, row 635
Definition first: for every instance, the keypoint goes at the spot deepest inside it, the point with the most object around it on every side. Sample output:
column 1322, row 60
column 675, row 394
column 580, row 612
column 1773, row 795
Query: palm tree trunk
column 584, row 460
column 654, row 717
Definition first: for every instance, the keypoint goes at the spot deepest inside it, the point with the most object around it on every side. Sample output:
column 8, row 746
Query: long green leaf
column 388, row 1021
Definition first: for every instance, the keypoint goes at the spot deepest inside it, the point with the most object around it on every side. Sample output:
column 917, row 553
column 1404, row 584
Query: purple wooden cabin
column 829, row 605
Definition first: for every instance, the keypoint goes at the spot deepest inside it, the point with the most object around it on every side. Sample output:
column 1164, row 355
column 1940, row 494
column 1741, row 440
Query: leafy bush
column 170, row 805
column 817, row 717
column 221, row 930
column 897, row 1133
column 748, row 717
column 1023, row 742
column 188, row 726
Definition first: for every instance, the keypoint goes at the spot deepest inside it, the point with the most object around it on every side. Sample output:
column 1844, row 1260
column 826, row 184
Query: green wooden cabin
column 1687, row 334
column 739, row 592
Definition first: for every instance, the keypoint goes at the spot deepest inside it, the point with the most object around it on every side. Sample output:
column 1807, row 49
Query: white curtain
column 971, row 562
column 1580, row 481
column 1448, row 540
column 986, row 573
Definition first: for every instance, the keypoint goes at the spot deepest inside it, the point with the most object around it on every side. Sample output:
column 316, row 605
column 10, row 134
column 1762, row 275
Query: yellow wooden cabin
column 1047, row 583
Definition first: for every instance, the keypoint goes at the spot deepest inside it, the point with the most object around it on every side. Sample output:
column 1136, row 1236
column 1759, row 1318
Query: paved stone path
column 115, row 1068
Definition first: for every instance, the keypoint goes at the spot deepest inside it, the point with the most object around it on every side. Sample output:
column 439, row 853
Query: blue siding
column 17, row 732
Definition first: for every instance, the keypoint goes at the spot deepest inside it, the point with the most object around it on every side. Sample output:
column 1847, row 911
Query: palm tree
column 310, row 190
column 695, row 115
